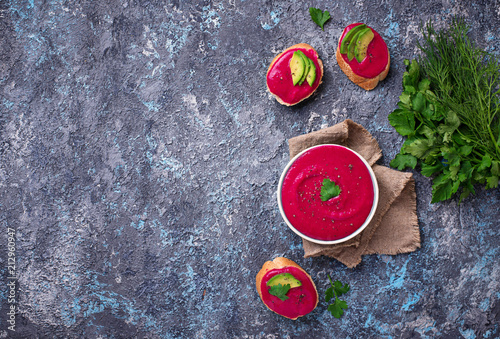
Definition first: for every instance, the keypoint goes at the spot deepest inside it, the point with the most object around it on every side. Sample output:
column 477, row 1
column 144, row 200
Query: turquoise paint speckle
column 275, row 20
column 138, row 226
column 152, row 106
column 393, row 30
column 368, row 321
column 484, row 305
column 397, row 279
column 412, row 300
column 8, row 104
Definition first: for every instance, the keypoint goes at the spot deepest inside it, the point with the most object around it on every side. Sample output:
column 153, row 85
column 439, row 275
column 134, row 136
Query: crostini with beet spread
column 363, row 55
column 286, row 289
column 295, row 74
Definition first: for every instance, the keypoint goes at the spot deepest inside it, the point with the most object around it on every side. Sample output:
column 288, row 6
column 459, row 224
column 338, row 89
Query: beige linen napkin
column 394, row 227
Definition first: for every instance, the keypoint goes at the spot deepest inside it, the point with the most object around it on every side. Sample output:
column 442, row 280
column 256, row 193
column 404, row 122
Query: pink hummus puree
column 337, row 217
column 279, row 78
column 377, row 56
column 301, row 300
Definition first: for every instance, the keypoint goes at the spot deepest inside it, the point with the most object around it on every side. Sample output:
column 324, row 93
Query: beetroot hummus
column 301, row 300
column 377, row 56
column 279, row 77
column 340, row 216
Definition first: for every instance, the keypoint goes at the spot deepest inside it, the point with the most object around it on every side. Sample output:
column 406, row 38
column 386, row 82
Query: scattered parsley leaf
column 329, row 294
column 280, row 291
column 336, row 290
column 336, row 309
column 339, row 289
column 318, row 16
column 329, row 190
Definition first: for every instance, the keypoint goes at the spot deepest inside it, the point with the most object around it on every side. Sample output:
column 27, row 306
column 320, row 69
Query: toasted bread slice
column 365, row 83
column 310, row 292
column 307, row 92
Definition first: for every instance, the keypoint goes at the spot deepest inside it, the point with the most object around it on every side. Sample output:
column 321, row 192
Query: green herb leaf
column 442, row 188
column 485, row 163
column 329, row 190
column 333, row 292
column 318, row 16
column 401, row 161
column 419, row 148
column 428, row 170
column 403, row 121
column 337, row 308
column 329, row 294
column 451, row 123
column 466, row 171
column 340, row 289
column 495, row 168
column 465, row 150
column 492, row 182
column 280, row 291
column 424, row 85
column 418, row 102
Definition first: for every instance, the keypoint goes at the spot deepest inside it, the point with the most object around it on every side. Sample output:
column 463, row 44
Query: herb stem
column 494, row 141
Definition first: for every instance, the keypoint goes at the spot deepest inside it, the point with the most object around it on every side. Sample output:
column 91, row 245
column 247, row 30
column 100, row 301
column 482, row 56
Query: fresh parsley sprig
column 329, row 189
column 335, row 291
column 449, row 112
column 280, row 291
column 319, row 17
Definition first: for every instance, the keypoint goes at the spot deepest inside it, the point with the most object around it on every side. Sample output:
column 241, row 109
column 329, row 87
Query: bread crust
column 365, row 83
column 320, row 63
column 280, row 262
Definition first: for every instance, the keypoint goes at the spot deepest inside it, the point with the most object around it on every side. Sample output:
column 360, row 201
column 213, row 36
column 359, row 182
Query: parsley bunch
column 449, row 113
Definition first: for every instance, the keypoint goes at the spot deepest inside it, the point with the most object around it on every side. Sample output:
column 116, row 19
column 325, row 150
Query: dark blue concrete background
column 140, row 154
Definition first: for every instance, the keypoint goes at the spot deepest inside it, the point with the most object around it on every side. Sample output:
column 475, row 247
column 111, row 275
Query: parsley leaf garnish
column 280, row 291
column 318, row 16
column 449, row 112
column 335, row 291
column 329, row 190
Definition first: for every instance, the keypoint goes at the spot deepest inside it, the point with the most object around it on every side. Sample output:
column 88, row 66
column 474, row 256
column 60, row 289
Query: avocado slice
column 311, row 75
column 352, row 45
column 364, row 39
column 297, row 66
column 283, row 279
column 307, row 66
column 344, row 45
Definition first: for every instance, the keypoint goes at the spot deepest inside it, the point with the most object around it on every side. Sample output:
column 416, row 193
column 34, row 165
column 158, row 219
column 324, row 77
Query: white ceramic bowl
column 336, row 241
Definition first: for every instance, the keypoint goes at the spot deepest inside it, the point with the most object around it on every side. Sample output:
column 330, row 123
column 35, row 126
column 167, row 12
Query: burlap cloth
column 394, row 227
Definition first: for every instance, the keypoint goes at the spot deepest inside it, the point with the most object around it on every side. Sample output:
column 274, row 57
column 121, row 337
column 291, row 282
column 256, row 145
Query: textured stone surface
column 139, row 159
